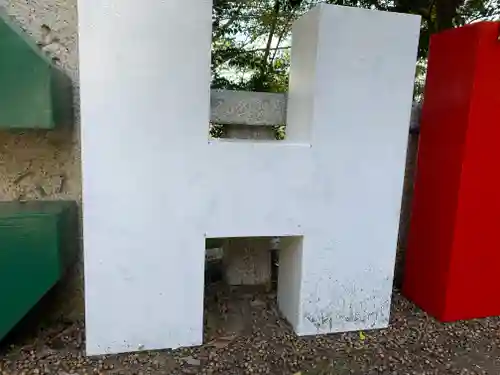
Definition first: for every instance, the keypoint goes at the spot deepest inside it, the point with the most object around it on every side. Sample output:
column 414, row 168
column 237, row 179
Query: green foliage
column 247, row 38
column 251, row 38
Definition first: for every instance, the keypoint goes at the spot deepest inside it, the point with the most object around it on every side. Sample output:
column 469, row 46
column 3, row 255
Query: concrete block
column 247, row 261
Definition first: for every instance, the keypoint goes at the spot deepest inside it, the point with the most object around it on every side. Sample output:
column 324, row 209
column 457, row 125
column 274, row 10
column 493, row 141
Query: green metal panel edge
column 63, row 216
column 69, row 235
column 32, row 207
column 26, row 274
column 62, row 98
column 60, row 90
column 9, row 21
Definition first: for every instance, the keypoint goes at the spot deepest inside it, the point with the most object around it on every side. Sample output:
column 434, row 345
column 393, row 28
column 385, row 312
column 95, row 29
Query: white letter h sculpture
column 155, row 186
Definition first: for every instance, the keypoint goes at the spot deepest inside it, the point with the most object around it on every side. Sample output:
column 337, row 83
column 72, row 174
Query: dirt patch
column 245, row 334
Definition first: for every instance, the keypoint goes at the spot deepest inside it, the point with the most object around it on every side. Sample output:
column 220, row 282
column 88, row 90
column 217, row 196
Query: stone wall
column 46, row 164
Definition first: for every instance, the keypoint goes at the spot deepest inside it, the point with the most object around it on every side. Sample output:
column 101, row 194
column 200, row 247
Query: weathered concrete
column 255, row 109
column 247, row 108
column 46, row 164
column 247, row 261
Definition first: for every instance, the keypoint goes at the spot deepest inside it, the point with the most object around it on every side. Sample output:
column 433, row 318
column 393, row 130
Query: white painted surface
column 144, row 74
column 337, row 181
column 356, row 86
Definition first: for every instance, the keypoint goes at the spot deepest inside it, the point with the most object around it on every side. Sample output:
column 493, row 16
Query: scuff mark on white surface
column 348, row 306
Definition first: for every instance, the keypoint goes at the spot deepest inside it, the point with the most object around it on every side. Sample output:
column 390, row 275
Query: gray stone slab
column 262, row 109
column 247, row 108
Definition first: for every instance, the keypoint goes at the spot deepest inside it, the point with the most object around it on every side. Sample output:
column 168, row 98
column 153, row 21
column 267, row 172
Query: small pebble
column 248, row 337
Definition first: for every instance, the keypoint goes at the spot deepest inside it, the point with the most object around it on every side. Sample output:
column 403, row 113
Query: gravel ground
column 245, row 335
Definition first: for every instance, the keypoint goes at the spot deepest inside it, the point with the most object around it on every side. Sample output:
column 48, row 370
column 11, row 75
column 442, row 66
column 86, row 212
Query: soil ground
column 245, row 334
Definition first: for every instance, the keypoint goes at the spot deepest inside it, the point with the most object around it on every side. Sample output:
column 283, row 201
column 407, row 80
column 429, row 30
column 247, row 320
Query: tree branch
column 267, row 50
column 231, row 21
column 282, row 35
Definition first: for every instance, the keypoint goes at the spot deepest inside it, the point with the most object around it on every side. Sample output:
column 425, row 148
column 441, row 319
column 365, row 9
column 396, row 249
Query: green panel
column 34, row 93
column 38, row 241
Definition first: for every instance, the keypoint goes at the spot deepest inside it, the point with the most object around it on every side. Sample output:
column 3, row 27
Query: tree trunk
column 446, row 10
column 264, row 65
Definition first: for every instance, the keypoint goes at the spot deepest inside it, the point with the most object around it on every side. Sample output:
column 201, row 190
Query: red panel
column 452, row 251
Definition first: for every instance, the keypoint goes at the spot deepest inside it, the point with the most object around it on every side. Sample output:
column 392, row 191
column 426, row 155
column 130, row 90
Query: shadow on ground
column 245, row 334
